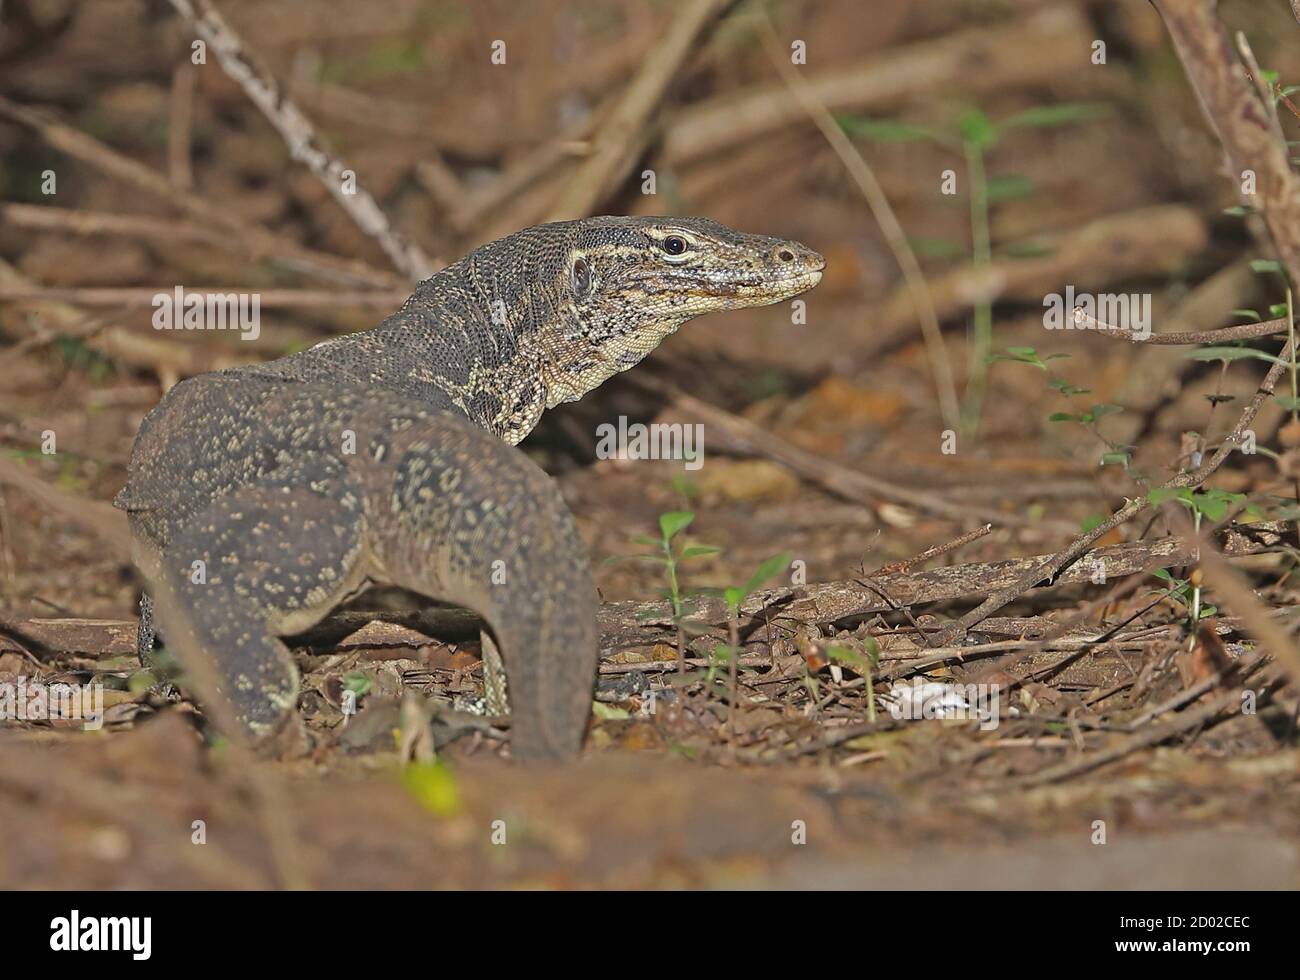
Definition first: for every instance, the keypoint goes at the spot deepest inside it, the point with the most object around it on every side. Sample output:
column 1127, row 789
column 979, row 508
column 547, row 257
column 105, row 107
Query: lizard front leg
column 462, row 517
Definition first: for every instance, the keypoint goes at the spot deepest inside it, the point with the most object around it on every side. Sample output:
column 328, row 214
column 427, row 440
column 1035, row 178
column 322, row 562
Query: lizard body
column 261, row 497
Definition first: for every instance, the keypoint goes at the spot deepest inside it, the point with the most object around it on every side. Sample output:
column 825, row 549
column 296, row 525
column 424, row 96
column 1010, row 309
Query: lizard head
column 623, row 284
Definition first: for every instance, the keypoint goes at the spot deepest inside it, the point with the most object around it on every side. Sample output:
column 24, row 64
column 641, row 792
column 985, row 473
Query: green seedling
column 670, row 556
column 734, row 596
column 974, row 135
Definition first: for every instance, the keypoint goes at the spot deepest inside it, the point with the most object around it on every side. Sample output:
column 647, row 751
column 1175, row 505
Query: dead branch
column 260, row 242
column 830, row 602
column 1244, row 331
column 97, row 517
column 1077, row 548
column 861, row 173
column 1153, row 734
column 137, row 349
column 1234, row 593
column 1244, row 125
column 300, row 136
column 1115, row 248
column 1044, row 41
column 627, row 132
column 936, row 550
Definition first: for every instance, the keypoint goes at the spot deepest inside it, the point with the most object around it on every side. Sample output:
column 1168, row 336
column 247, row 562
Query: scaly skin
column 248, row 470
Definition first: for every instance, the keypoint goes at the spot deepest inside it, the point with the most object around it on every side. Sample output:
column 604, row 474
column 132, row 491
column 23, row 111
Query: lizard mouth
column 768, row 289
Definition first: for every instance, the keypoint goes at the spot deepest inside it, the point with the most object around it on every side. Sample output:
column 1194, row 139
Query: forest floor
column 1121, row 721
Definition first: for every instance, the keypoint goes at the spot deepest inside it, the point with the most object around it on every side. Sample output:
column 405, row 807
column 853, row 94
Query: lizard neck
column 459, row 343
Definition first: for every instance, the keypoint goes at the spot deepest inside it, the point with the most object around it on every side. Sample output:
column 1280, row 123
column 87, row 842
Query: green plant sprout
column 864, row 665
column 672, row 523
column 1212, row 504
column 974, row 136
column 730, row 653
column 1114, row 453
column 1185, row 594
column 1278, row 310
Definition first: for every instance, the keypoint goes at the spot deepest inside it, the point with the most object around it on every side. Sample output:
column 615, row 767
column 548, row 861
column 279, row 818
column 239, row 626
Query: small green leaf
column 1061, row 114
column 1064, row 417
column 434, row 787
column 1161, row 494
column 1233, row 354
column 1213, row 509
column 884, row 130
column 699, row 551
column 1113, row 459
column 978, row 130
column 1265, row 265
column 1214, row 504
column 674, row 521
column 846, row 655
column 1092, row 523
column 141, row 681
column 1008, row 187
column 772, row 566
column 1065, row 388
column 357, row 682
column 1287, row 402
column 1251, row 314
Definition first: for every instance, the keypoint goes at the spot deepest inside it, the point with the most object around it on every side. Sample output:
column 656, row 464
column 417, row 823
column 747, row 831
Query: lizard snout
column 798, row 257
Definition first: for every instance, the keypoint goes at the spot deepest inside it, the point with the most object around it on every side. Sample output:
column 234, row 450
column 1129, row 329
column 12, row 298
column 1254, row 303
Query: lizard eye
column 581, row 277
column 674, row 245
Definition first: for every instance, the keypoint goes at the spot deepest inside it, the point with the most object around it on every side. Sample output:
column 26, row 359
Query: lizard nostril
column 785, row 255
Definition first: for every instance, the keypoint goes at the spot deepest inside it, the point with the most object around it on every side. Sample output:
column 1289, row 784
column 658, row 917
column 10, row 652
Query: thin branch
column 895, row 237
column 1245, row 331
column 627, row 132
column 300, row 136
column 256, row 239
column 936, row 550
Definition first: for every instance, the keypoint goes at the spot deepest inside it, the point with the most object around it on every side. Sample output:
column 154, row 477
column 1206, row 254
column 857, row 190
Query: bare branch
column 300, row 136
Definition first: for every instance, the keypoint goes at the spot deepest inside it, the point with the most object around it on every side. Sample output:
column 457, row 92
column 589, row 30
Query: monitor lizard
column 260, row 497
